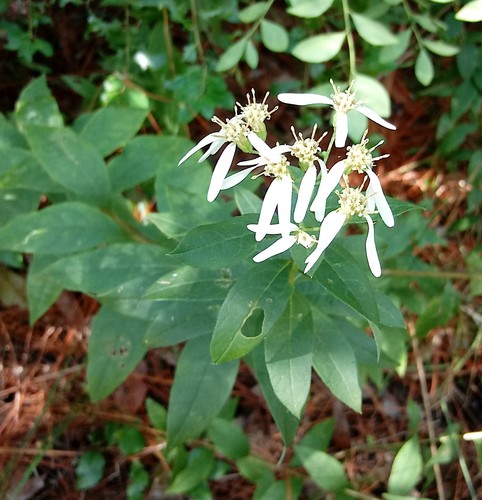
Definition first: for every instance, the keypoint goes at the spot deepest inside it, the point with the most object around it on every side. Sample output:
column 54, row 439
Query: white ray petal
column 276, row 248
column 327, row 185
column 259, row 162
column 304, row 99
column 236, row 178
column 380, row 201
column 375, row 117
column 341, row 129
column 220, row 171
column 213, row 149
column 268, row 208
column 329, row 228
column 203, row 142
column 304, row 195
column 284, row 204
column 372, row 256
column 263, row 149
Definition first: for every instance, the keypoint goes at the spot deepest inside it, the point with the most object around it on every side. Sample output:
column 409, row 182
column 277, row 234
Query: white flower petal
column 341, row 129
column 236, row 178
column 268, row 208
column 276, row 248
column 284, row 204
column 203, row 142
column 263, row 149
column 220, row 171
column 380, row 201
column 273, row 228
column 327, row 185
column 371, row 249
column 259, row 162
column 213, row 149
column 375, row 117
column 304, row 99
column 304, row 195
column 329, row 228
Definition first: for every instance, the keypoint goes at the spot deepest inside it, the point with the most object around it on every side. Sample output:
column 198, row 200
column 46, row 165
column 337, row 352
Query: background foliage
column 100, row 99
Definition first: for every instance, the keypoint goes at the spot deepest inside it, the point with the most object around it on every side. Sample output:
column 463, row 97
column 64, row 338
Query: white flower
column 352, row 202
column 342, row 103
column 256, row 113
column 279, row 193
column 284, row 243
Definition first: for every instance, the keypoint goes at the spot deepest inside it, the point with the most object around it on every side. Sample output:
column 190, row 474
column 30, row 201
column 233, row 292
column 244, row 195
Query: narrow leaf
column 424, row 68
column 232, row 56
column 199, row 391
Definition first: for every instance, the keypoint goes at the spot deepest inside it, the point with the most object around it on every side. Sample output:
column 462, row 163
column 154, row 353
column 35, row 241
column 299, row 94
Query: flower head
column 342, row 102
column 352, row 203
column 255, row 113
column 306, row 150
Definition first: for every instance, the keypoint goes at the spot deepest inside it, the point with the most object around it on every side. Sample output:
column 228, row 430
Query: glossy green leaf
column 341, row 276
column 252, row 307
column 309, row 8
column 115, row 348
column 70, row 161
column 36, row 106
column 424, row 70
column 407, row 468
column 89, row 470
column 60, row 229
column 253, row 12
column 373, row 32
column 441, row 48
column 289, row 351
column 274, row 36
column 286, row 422
column 109, row 128
column 199, row 466
column 218, row 245
column 335, row 362
column 471, row 12
column 199, row 391
column 228, row 438
column 232, row 55
column 323, row 469
column 319, row 48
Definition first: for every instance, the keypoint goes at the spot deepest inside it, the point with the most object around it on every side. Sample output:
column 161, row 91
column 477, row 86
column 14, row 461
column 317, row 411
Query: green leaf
column 251, row 55
column 286, row 422
column 130, row 440
column 424, row 68
column 341, row 275
column 232, row 55
column 199, row 466
column 218, row 245
column 138, row 481
column 373, row 32
column 115, row 348
column 247, row 202
column 199, row 391
column 36, row 106
column 441, row 48
column 373, row 93
column 471, row 12
column 335, row 362
column 109, row 128
column 89, row 470
column 274, row 36
column 406, row 469
column 19, row 169
column 60, row 229
column 309, row 8
column 253, row 12
column 289, row 351
column 10, row 137
column 319, row 48
column 14, row 202
column 392, row 52
column 252, row 307
column 70, row 161
column 323, row 469
column 228, row 438
column 157, row 414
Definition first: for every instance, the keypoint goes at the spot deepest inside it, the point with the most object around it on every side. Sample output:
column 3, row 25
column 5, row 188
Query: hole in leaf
column 253, row 323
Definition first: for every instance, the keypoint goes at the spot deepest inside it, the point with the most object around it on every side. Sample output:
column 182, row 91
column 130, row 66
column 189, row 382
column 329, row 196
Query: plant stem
column 350, row 40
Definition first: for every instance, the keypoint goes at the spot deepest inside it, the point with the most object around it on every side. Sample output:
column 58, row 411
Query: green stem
column 350, row 40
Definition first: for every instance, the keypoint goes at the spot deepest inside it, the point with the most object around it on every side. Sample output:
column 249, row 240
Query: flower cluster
column 282, row 212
